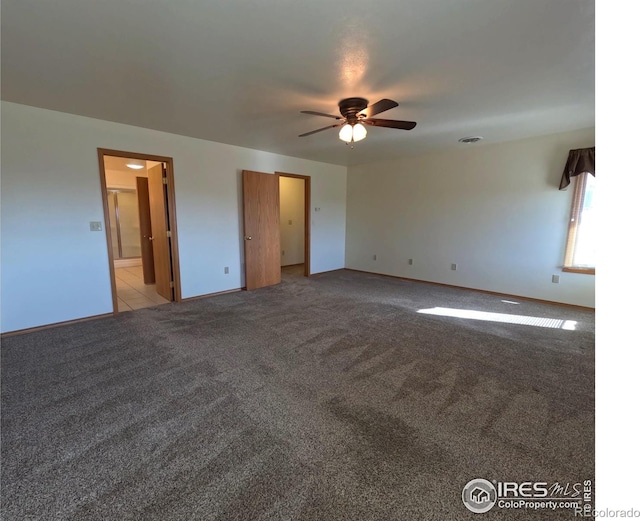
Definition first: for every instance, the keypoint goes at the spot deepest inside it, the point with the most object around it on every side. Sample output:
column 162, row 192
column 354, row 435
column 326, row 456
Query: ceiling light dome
column 135, row 165
column 352, row 133
column 346, row 133
column 359, row 132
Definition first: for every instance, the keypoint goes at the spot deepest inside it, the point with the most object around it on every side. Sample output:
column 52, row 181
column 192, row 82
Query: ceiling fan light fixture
column 354, row 118
column 359, row 132
column 346, row 133
column 351, row 133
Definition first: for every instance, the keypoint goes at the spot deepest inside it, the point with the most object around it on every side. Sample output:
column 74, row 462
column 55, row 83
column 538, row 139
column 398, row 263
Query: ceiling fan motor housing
column 350, row 107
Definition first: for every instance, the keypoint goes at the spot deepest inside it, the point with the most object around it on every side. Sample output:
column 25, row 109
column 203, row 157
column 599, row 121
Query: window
column 581, row 241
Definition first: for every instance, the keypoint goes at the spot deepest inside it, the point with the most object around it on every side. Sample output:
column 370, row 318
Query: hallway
column 133, row 293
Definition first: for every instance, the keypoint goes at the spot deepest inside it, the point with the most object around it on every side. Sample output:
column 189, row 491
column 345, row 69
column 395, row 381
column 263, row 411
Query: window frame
column 577, row 202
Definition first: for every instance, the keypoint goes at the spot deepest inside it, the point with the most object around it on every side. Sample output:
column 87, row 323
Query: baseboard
column 95, row 317
column 328, row 271
column 217, row 294
column 486, row 292
column 55, row 324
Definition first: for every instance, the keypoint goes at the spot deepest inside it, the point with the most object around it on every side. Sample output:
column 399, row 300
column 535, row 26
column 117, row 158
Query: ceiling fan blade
column 320, row 130
column 314, row 113
column 380, row 106
column 390, row 123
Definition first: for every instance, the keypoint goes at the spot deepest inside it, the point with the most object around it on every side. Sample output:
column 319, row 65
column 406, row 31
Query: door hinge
column 169, row 234
column 171, row 284
column 164, row 180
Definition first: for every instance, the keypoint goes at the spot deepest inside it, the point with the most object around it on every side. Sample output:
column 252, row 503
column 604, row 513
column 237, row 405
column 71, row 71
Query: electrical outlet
column 555, row 279
column 375, row 257
column 226, row 270
column 95, row 226
column 290, row 222
column 410, row 262
column 283, row 253
column 454, row 266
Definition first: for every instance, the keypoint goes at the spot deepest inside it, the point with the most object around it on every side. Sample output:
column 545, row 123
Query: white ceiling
column 241, row 71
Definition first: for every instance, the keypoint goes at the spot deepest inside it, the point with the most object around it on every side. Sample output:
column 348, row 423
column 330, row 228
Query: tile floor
column 133, row 293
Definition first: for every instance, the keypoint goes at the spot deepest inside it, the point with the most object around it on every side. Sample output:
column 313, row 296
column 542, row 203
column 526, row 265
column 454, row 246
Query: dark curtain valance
column 579, row 161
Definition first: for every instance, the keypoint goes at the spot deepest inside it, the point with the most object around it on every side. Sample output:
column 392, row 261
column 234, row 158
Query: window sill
column 585, row 271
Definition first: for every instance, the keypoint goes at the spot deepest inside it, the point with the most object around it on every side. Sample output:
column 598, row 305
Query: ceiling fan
column 353, row 120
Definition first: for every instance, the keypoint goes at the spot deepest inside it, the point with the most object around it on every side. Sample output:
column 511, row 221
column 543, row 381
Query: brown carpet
column 329, row 398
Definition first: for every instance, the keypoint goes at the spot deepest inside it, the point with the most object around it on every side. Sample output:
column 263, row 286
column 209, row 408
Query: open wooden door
column 161, row 233
column 261, row 200
column 146, row 235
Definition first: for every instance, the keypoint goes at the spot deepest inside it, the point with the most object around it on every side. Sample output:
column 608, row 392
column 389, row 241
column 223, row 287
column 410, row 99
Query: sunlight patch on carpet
column 554, row 323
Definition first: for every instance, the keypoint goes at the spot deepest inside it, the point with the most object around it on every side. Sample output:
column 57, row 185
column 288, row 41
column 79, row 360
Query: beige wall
column 123, row 178
column 494, row 210
column 50, row 175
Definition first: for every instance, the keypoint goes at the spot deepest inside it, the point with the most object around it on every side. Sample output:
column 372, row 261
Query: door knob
column 247, row 237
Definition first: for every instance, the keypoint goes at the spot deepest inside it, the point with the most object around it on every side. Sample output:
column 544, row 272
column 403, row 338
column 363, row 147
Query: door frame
column 171, row 210
column 307, row 217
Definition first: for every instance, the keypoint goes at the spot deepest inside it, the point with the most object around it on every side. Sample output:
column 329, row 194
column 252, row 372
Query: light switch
column 290, row 221
column 95, row 226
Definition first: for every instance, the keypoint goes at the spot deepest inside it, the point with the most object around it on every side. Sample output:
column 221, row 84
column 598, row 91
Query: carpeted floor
column 329, row 398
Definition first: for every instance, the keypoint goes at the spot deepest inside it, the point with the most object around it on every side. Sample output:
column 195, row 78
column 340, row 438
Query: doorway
column 294, row 225
column 261, row 226
column 139, row 209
